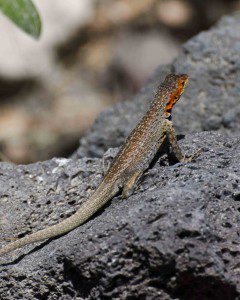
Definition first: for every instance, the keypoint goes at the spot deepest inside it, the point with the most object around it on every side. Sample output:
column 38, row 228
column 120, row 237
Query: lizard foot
column 193, row 156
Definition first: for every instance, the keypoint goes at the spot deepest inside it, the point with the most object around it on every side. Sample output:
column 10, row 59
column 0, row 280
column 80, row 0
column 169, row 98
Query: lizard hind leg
column 130, row 184
column 9, row 239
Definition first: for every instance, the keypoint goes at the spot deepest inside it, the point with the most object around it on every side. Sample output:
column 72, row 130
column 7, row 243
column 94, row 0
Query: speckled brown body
column 132, row 160
column 145, row 140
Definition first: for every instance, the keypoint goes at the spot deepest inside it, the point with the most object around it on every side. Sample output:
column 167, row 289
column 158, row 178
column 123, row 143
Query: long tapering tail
column 101, row 196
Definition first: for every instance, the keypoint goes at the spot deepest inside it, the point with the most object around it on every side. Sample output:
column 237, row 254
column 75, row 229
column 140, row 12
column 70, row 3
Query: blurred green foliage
column 24, row 14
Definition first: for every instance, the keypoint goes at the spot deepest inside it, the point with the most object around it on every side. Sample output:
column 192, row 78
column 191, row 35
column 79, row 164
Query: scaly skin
column 132, row 160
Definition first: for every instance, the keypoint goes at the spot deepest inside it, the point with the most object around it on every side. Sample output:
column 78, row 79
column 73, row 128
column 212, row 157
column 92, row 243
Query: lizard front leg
column 168, row 129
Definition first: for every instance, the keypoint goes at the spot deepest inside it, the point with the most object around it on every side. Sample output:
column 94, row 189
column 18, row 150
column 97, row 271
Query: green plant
column 24, row 14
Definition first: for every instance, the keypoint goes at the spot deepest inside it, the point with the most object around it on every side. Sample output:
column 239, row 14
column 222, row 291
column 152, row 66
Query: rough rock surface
column 176, row 237
column 210, row 102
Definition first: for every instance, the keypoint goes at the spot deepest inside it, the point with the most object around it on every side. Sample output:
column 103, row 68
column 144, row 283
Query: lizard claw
column 193, row 156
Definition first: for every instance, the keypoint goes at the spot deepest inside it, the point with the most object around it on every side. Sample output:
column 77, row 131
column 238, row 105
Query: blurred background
column 92, row 53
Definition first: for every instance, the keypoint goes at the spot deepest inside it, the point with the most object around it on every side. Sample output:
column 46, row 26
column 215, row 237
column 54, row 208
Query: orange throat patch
column 174, row 97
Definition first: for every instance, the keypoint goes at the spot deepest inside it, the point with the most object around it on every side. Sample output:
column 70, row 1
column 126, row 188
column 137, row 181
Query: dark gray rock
column 177, row 237
column 210, row 102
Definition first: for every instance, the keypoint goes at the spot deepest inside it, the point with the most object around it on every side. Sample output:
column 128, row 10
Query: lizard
column 133, row 158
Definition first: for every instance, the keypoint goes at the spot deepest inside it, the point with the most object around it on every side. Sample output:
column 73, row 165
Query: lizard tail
column 91, row 206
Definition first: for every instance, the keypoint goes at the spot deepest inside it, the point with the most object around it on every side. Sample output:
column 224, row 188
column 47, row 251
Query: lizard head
column 175, row 85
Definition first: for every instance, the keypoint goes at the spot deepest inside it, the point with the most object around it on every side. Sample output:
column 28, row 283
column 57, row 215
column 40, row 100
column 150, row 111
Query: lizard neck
column 157, row 110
